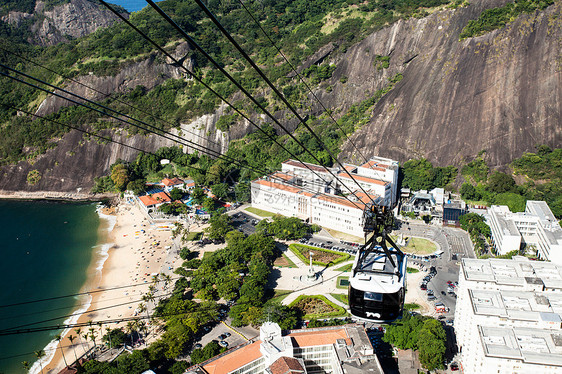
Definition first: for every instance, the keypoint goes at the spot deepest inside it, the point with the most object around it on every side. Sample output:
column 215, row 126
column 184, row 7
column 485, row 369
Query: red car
column 454, row 366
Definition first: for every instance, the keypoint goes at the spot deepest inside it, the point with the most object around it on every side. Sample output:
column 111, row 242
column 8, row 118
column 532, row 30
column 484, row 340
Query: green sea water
column 45, row 251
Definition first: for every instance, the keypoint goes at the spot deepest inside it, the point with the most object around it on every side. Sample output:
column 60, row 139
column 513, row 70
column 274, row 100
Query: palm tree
column 39, row 354
column 93, row 336
column 78, row 331
column 101, row 331
column 71, row 339
column 58, row 338
column 167, row 279
column 25, row 365
column 130, row 328
column 85, row 337
column 108, row 334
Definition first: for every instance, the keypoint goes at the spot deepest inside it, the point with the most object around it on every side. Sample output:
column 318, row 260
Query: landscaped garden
column 317, row 306
column 320, row 256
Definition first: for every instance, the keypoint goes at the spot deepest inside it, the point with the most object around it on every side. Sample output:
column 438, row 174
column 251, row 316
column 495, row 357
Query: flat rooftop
column 518, row 305
column 533, row 346
column 520, row 271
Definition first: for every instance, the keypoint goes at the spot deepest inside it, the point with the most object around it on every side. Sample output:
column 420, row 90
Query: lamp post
column 311, row 275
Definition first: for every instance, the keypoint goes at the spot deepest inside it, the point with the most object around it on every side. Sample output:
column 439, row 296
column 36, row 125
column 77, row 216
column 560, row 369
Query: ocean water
column 46, row 249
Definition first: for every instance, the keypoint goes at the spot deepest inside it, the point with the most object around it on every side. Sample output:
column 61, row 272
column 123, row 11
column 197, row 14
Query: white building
column 296, row 191
column 508, row 316
column 505, row 235
column 338, row 350
column 536, row 226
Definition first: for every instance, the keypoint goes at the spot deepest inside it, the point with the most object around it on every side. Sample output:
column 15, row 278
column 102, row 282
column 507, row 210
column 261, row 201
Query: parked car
column 454, row 366
column 223, row 344
column 197, row 346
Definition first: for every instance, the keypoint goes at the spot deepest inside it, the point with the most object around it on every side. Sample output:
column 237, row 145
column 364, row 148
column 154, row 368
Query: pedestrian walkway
column 293, row 257
column 235, row 331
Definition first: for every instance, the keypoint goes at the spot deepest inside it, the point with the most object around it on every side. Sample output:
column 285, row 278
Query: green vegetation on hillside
column 542, row 173
column 419, row 174
column 296, row 26
column 496, row 18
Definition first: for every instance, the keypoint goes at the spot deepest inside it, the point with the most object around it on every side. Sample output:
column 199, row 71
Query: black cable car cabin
column 377, row 286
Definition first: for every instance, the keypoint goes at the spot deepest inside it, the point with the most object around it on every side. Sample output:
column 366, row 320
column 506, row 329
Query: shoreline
column 127, row 255
column 56, row 196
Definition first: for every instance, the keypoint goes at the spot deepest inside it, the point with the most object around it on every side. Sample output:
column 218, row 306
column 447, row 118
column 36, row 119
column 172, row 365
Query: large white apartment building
column 536, row 226
column 297, row 191
column 508, row 316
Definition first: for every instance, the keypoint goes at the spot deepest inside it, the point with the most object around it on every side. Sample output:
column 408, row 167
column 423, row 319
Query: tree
column 71, row 339
column 500, row 182
column 115, row 338
column 209, row 205
column 286, row 228
column 119, row 176
column 176, row 194
column 242, row 191
column 58, row 338
column 219, row 226
column 198, row 195
column 78, row 331
column 25, row 365
column 431, row 344
column 138, row 186
column 220, row 190
column 40, row 354
column 468, row 192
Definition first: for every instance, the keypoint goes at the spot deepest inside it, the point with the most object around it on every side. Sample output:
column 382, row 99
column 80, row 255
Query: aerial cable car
column 377, row 285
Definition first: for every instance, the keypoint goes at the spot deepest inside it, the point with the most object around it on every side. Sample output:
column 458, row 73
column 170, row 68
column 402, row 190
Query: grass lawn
column 342, row 298
column 418, row 246
column 284, row 261
column 345, row 267
column 317, row 306
column 260, row 212
column 411, row 306
column 412, row 270
column 343, row 236
column 320, row 256
column 194, row 236
column 279, row 295
column 342, row 282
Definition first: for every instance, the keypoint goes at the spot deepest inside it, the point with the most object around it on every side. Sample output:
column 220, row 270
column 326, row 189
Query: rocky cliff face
column 501, row 92
column 62, row 22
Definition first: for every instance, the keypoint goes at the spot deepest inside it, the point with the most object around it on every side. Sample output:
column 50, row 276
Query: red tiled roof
column 366, row 198
column 171, row 182
column 281, row 175
column 278, row 186
column 371, row 165
column 234, row 359
column 192, row 184
column 320, row 337
column 154, row 199
column 363, row 179
column 285, row 365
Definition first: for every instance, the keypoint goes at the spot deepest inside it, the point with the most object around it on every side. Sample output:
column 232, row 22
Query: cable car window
column 372, row 296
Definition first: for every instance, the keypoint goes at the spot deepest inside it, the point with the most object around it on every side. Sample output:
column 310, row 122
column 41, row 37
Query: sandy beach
column 136, row 250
